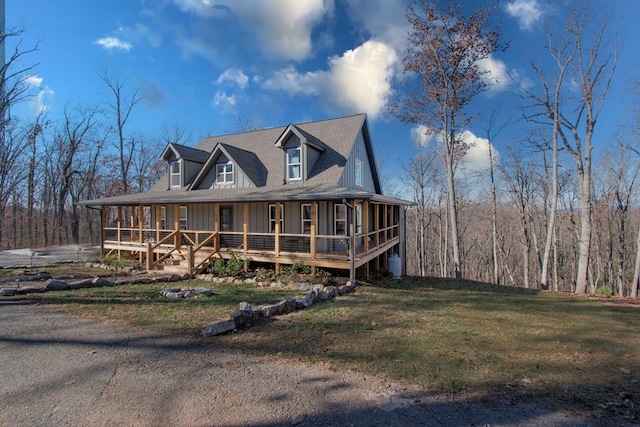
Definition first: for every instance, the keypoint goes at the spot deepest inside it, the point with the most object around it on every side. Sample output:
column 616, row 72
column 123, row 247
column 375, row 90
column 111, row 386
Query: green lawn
column 461, row 338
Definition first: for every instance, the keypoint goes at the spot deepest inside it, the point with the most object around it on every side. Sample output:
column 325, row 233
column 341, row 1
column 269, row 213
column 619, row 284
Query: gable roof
column 184, row 152
column 246, row 161
column 256, row 154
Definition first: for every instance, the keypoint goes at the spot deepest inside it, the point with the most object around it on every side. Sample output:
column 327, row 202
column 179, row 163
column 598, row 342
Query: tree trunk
column 636, row 271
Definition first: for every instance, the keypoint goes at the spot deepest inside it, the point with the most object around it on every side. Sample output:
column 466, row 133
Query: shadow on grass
column 449, row 284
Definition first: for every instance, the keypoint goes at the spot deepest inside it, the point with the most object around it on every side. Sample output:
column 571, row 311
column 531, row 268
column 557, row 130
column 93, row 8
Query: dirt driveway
column 59, row 370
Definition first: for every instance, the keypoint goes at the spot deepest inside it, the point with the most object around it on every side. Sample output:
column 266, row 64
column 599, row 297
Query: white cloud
column 224, row 101
column 476, row 159
column 361, row 78
column 41, row 103
column 382, row 20
column 111, row 43
column 33, row 81
column 496, row 75
column 357, row 81
column 283, row 27
column 527, row 12
column 289, row 80
column 422, row 135
column 233, row 75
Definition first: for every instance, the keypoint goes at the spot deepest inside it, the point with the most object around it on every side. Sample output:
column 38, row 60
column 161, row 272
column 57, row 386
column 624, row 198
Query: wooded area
column 538, row 217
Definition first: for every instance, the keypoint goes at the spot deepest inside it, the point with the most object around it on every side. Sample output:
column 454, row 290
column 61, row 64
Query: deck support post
column 176, row 225
column 216, row 226
column 119, row 228
column 149, row 263
column 245, row 236
column 312, row 243
column 140, row 231
column 103, row 233
column 277, row 236
column 190, row 260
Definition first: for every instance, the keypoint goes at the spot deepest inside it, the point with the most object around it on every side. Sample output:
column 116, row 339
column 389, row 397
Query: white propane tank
column 395, row 266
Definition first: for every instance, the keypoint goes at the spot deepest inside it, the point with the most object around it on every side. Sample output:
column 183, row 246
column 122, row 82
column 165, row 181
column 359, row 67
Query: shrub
column 117, row 261
column 227, row 268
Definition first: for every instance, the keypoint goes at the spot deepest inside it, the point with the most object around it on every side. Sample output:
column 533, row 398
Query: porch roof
column 296, row 192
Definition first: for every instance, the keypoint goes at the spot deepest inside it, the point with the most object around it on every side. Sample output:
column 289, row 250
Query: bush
column 227, row 268
column 117, row 261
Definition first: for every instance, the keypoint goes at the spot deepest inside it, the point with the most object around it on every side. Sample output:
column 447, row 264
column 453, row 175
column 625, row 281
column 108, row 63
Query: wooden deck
column 191, row 251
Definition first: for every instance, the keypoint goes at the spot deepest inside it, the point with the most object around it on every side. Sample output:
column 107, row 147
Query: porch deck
column 194, row 250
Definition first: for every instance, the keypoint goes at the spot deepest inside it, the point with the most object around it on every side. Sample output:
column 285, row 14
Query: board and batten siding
column 348, row 178
column 240, row 180
column 201, row 217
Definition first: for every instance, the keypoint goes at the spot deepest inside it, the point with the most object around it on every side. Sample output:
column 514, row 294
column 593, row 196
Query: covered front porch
column 160, row 235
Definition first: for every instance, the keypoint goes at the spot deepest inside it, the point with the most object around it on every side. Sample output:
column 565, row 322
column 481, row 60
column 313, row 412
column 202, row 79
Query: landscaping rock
column 219, row 328
column 242, row 318
column 30, row 290
column 101, row 281
column 56, row 285
column 174, row 278
column 245, row 306
column 79, row 284
column 289, row 305
column 7, row 292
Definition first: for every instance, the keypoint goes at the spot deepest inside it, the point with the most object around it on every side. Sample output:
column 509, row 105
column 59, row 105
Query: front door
column 226, row 218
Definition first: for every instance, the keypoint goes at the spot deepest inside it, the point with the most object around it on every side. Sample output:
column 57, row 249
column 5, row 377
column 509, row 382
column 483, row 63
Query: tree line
column 542, row 218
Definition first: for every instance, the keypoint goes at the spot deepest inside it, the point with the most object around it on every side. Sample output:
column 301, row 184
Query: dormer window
column 176, row 179
column 224, row 173
column 294, row 164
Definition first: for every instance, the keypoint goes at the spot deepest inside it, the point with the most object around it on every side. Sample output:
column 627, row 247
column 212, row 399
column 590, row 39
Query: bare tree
column 442, row 65
column 122, row 102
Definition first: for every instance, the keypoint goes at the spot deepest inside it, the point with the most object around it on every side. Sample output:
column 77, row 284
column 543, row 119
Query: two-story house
column 305, row 192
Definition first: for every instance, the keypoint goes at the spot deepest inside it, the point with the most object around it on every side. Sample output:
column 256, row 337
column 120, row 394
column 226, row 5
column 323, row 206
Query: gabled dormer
column 184, row 163
column 361, row 171
column 301, row 151
column 230, row 167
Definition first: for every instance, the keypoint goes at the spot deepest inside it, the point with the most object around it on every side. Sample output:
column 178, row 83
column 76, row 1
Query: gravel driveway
column 59, row 370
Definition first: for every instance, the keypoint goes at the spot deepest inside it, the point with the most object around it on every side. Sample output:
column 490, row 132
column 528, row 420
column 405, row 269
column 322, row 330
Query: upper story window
column 294, row 164
column 359, row 173
column 224, row 173
column 176, row 180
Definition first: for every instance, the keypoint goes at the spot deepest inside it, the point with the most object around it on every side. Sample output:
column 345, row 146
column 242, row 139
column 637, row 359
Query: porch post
column 119, row 227
column 132, row 223
column 245, row 235
column 365, row 225
column 216, row 225
column 176, row 226
column 277, row 236
column 140, row 239
column 376, row 226
column 385, row 221
column 352, row 243
column 312, row 245
column 158, row 223
column 103, row 233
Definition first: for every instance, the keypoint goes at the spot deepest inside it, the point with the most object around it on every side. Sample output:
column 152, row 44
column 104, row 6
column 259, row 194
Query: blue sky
column 206, row 62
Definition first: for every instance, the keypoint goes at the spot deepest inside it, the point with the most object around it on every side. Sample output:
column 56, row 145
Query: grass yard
column 144, row 306
column 459, row 338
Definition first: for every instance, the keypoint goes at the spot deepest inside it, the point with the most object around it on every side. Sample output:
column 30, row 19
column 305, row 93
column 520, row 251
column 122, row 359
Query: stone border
column 63, row 285
column 245, row 316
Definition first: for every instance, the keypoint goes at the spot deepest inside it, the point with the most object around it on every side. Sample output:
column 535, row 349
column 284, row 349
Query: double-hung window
column 176, row 180
column 224, row 173
column 340, row 219
column 272, row 218
column 163, row 217
column 183, row 218
column 294, row 164
column 306, row 216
